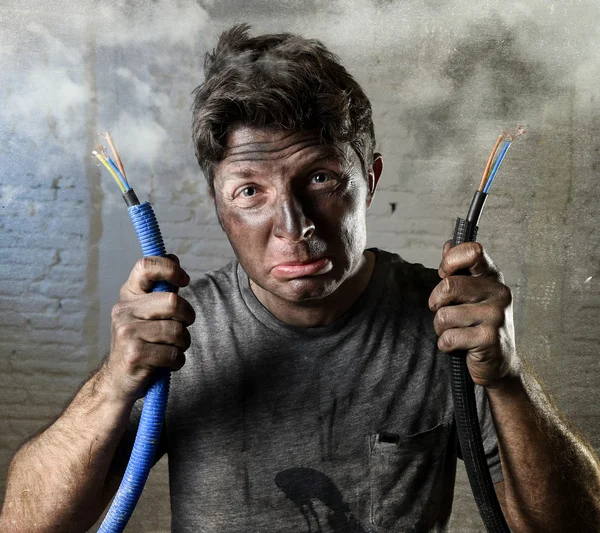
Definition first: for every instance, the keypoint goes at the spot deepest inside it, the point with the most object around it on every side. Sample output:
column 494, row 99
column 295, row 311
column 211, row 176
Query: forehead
column 249, row 147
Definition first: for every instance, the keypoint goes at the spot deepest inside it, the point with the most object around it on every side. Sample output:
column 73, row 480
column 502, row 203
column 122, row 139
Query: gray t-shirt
column 343, row 428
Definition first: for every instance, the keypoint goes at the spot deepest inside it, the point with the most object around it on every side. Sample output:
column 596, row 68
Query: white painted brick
column 39, row 365
column 72, row 322
column 13, row 288
column 57, row 290
column 27, row 240
column 173, row 214
column 31, row 303
column 66, row 274
column 43, row 321
column 24, row 272
column 55, row 336
column 71, row 305
column 69, row 256
column 25, row 256
column 13, row 319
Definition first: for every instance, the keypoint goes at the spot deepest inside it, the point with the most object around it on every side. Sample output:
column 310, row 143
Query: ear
column 374, row 174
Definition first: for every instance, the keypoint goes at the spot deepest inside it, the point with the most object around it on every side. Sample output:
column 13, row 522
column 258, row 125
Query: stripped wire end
column 100, row 149
column 496, row 157
column 513, row 134
column 115, row 153
column 105, row 162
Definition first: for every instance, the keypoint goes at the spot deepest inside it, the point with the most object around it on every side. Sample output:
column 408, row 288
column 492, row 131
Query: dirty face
column 293, row 209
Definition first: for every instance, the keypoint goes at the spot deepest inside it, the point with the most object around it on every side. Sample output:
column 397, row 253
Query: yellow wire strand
column 114, row 174
column 115, row 153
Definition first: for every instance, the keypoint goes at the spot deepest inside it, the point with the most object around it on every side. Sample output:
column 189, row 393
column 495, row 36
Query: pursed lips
column 309, row 267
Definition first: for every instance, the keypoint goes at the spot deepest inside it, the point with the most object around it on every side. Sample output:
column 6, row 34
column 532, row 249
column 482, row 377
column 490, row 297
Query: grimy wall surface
column 444, row 78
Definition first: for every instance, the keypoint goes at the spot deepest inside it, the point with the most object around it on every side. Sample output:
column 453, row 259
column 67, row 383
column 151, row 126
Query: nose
column 291, row 222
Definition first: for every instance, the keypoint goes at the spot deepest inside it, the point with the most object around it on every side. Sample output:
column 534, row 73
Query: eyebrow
column 249, row 172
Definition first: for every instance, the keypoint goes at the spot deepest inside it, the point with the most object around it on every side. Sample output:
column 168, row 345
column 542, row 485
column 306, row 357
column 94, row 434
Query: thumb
column 447, row 246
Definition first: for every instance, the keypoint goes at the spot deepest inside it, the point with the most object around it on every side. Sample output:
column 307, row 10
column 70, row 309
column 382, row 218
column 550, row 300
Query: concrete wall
column 443, row 76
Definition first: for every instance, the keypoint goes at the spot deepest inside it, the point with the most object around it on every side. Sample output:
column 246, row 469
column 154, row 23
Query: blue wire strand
column 118, row 173
column 497, row 165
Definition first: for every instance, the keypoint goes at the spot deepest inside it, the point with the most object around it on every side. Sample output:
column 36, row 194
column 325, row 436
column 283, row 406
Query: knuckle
column 117, row 311
column 144, row 264
column 489, row 336
column 179, row 361
column 172, row 301
column 478, row 250
column 448, row 285
column 441, row 320
column 123, row 330
column 497, row 316
column 444, row 342
column 506, row 294
column 187, row 339
column 176, row 328
column 123, row 292
column 191, row 312
column 172, row 355
column 132, row 356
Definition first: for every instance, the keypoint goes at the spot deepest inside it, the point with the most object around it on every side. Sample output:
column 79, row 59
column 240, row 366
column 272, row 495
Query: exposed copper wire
column 512, row 135
column 489, row 163
column 113, row 149
column 102, row 150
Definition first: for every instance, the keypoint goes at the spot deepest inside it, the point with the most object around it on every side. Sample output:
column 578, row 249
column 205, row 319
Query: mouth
column 299, row 269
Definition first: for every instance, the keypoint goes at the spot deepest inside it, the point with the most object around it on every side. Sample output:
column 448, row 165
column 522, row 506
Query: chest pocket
column 406, row 477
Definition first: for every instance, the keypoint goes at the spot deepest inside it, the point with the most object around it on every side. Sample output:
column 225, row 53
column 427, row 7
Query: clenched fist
column 149, row 329
column 474, row 313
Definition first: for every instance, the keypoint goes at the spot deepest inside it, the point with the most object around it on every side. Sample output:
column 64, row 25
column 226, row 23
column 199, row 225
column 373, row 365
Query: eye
column 320, row 177
column 248, row 192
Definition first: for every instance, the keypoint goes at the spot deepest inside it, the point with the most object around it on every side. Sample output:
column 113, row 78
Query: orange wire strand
column 489, row 163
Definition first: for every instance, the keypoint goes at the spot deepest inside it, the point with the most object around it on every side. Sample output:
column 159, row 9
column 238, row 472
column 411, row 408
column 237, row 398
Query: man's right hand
column 149, row 329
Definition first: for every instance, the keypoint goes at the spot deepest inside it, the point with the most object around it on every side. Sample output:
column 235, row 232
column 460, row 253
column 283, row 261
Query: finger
column 156, row 306
column 467, row 315
column 447, row 246
column 454, row 290
column 170, row 332
column 173, row 257
column 466, row 339
column 148, row 270
column 469, row 257
column 143, row 356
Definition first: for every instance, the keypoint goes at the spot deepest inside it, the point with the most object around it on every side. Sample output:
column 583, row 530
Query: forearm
column 551, row 476
column 56, row 481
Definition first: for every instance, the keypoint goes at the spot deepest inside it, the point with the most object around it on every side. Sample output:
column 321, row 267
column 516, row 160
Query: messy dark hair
column 281, row 81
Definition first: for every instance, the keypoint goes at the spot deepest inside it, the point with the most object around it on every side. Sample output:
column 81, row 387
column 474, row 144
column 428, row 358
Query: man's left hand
column 473, row 313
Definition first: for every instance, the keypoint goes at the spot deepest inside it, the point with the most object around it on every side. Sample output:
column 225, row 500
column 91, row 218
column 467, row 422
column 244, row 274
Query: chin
column 307, row 289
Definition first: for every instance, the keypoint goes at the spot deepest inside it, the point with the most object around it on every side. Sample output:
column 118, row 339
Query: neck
column 321, row 312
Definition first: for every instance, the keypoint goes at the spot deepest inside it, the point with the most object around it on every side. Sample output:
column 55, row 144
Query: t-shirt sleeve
column 488, row 434
column 125, row 446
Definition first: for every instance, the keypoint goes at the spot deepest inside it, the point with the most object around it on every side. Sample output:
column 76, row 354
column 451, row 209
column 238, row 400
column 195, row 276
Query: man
column 315, row 396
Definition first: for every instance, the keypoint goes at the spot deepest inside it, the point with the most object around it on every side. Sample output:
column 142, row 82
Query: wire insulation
column 113, row 173
column 497, row 165
column 113, row 149
column 489, row 163
column 118, row 172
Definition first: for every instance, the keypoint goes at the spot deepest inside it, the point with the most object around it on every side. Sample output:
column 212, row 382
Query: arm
column 551, row 476
column 62, row 479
